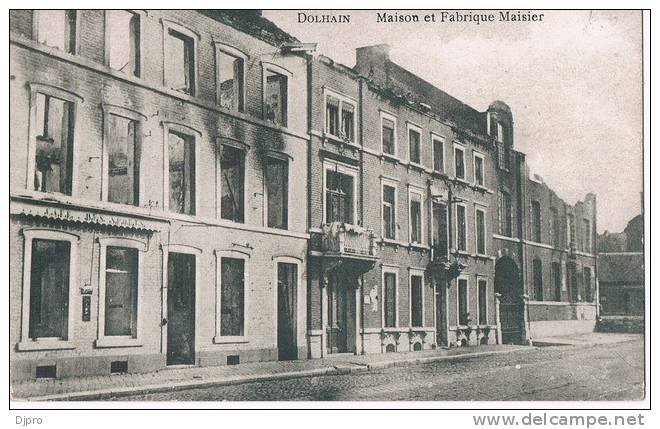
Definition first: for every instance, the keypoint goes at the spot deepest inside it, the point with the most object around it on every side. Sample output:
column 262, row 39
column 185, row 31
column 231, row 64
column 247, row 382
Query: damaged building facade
column 200, row 188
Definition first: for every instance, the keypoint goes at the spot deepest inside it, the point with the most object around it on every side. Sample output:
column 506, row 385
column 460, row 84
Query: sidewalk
column 586, row 340
column 112, row 386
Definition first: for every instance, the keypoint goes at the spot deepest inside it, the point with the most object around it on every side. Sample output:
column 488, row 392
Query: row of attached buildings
column 201, row 188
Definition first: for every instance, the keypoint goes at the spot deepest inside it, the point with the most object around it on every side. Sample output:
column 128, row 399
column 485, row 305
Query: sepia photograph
column 327, row 206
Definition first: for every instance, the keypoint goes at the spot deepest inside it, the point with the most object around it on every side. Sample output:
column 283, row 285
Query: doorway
column 287, row 285
column 180, row 309
column 509, row 285
column 341, row 317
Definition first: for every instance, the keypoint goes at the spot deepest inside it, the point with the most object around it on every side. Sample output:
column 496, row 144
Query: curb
column 339, row 369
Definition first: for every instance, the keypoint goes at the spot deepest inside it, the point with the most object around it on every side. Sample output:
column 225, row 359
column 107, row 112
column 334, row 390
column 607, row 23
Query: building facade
column 200, row 188
column 157, row 163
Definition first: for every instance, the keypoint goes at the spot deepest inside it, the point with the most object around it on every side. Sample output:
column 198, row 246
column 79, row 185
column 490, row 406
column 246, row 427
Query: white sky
column 573, row 83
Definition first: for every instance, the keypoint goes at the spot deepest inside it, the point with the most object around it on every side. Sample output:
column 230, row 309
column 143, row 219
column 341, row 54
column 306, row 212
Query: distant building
column 621, row 277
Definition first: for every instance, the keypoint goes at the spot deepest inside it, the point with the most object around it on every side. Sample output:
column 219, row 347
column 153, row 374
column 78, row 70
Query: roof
column 251, row 22
column 624, row 267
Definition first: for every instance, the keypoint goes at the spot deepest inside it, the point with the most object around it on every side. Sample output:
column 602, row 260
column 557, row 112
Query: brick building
column 154, row 158
column 200, row 188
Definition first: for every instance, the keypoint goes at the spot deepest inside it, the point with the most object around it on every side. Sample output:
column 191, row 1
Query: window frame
column 392, row 184
column 393, row 118
column 62, row 94
column 466, row 250
column 220, row 143
column 343, row 169
column 477, row 208
column 537, row 238
column 414, row 190
column 267, row 67
column 218, row 338
column 35, row 31
column 181, row 29
column 417, row 129
column 480, row 279
column 415, row 272
column 458, row 300
column 460, row 147
column 475, row 155
column 281, row 157
column 103, row 340
column 442, row 140
column 197, row 136
column 387, row 269
column 220, row 47
column 140, row 56
column 26, row 343
column 327, row 92
column 139, row 119
column 505, row 218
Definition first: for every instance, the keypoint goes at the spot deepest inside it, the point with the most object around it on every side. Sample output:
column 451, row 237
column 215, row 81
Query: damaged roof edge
column 251, row 22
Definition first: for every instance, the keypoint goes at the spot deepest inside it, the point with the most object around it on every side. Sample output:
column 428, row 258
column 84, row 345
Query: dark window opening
column 57, row 28
column 232, row 311
column 332, row 115
column 481, row 232
column 388, row 129
column 416, row 316
column 389, row 303
column 231, row 89
column 479, row 170
column 389, row 212
column 588, row 293
column 537, row 274
column 459, row 163
column 536, row 221
column 556, row 228
column 463, row 312
column 438, row 156
column 232, row 169
column 339, row 197
column 556, row 276
column 119, row 367
column 348, row 121
column 181, row 149
column 123, row 161
column 233, row 360
column 415, row 149
column 46, row 371
column 483, row 306
column 54, row 145
column 505, row 214
column 277, row 189
column 461, row 229
column 440, row 233
column 49, row 289
column 121, row 283
column 415, row 218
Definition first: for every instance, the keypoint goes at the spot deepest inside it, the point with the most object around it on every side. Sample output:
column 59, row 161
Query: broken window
column 121, row 283
column 388, row 129
column 389, row 303
column 587, row 236
column 416, row 301
column 461, row 230
column 181, row 150
column 537, row 274
column 123, row 161
column 459, row 162
column 232, row 297
column 389, row 212
column 348, row 121
column 480, row 222
column 463, row 312
column 123, row 40
column 438, row 155
column 414, row 146
column 415, row 218
column 536, row 221
column 277, row 189
column 180, row 62
column 49, row 289
column 232, row 169
column 231, row 83
column 57, row 28
column 339, row 197
column 275, row 98
column 54, row 145
column 483, row 297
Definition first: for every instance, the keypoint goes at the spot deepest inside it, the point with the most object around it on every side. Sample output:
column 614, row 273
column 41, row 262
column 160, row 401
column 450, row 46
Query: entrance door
column 509, row 286
column 341, row 320
column 181, row 309
column 287, row 278
column 440, row 325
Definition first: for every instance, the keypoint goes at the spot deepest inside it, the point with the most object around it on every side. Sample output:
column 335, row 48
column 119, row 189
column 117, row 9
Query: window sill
column 416, row 166
column 482, row 188
column 391, row 158
column 481, row 256
column 218, row 339
column 419, row 246
column 462, row 181
column 110, row 342
column 338, row 140
column 34, row 345
column 462, row 253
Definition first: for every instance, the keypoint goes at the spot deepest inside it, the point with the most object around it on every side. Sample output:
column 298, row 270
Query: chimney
column 371, row 60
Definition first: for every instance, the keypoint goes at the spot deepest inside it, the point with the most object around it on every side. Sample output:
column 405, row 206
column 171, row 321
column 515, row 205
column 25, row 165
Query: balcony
column 345, row 240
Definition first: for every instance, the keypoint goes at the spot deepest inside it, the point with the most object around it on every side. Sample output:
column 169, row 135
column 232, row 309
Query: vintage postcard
column 327, row 206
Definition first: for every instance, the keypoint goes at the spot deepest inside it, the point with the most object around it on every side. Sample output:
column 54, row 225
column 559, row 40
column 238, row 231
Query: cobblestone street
column 558, row 373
